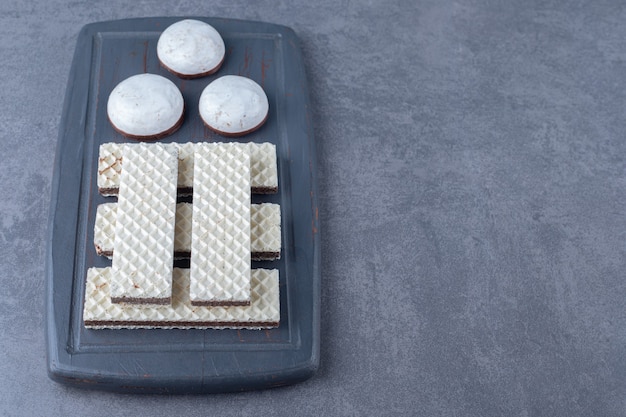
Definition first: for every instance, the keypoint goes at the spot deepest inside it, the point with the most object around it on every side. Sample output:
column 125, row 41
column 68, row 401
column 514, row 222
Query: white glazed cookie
column 191, row 49
column 233, row 105
column 146, row 107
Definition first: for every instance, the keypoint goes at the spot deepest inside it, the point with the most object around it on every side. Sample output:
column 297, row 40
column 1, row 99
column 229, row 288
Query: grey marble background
column 472, row 203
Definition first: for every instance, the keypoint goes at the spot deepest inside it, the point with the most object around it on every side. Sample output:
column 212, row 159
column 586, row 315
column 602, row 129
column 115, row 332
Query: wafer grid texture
column 265, row 231
column 144, row 230
column 263, row 311
column 220, row 232
column 263, row 167
column 109, row 168
column 219, row 284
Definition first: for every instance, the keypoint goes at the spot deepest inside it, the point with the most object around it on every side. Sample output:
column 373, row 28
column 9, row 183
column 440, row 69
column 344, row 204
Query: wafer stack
column 220, row 232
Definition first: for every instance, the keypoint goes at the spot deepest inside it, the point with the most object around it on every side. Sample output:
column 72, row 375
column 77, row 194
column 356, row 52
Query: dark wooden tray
column 182, row 361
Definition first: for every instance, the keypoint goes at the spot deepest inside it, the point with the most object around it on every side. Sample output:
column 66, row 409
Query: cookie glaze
column 233, row 105
column 191, row 48
column 145, row 106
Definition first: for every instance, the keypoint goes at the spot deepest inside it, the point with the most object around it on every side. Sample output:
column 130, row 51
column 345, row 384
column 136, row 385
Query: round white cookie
column 233, row 105
column 146, row 106
column 191, row 48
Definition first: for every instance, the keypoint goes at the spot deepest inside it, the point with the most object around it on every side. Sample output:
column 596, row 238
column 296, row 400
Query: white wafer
column 265, row 231
column 220, row 232
column 263, row 170
column 109, row 168
column 144, row 229
column 104, row 229
column 263, row 167
column 265, row 236
column 263, row 311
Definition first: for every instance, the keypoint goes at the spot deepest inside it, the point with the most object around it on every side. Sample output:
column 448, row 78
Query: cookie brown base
column 236, row 134
column 151, row 138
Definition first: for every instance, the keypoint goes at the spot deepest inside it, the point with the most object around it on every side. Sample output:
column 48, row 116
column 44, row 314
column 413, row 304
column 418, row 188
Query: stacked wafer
column 220, row 232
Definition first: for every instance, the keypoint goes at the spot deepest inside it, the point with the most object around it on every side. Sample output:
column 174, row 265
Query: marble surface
column 472, row 204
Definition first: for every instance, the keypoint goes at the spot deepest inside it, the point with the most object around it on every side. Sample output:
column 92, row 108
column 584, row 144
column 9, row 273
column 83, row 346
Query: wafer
column 263, row 167
column 220, row 232
column 145, row 225
column 263, row 312
column 265, row 231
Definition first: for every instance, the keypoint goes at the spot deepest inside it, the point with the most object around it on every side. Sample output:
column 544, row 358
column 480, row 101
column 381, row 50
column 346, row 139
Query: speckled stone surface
column 472, row 204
